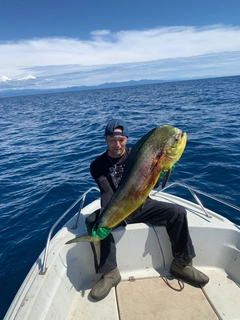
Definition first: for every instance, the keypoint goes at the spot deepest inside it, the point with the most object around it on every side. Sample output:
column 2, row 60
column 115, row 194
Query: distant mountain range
column 24, row 92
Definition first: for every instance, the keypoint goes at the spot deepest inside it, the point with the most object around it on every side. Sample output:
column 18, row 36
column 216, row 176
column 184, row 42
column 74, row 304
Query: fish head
column 174, row 144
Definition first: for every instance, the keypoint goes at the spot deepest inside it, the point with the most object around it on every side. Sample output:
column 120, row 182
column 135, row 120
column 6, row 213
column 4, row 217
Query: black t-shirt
column 107, row 172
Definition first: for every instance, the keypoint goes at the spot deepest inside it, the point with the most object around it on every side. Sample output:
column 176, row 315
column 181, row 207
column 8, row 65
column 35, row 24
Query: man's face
column 116, row 144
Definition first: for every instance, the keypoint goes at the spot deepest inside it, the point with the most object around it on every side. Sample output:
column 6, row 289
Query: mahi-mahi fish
column 154, row 153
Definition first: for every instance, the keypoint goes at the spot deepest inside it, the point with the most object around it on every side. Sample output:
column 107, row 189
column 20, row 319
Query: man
column 107, row 170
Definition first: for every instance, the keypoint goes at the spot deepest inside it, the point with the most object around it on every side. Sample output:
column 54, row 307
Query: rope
column 164, row 277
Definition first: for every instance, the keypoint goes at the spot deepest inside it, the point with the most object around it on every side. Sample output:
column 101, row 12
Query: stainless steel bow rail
column 43, row 268
column 82, row 199
column 194, row 191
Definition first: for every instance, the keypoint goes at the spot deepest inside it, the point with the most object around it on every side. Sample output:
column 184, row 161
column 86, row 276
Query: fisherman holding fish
column 122, row 171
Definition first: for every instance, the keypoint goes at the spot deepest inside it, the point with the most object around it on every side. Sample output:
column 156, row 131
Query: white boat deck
column 147, row 299
column 144, row 256
column 152, row 299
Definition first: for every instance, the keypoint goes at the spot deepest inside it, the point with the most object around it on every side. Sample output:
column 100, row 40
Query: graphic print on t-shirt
column 116, row 173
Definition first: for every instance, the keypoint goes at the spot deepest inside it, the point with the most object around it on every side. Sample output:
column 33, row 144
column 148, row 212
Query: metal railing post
column 43, row 266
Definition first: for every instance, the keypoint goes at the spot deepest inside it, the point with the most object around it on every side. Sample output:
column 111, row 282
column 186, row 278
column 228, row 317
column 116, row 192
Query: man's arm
column 106, row 190
column 97, row 169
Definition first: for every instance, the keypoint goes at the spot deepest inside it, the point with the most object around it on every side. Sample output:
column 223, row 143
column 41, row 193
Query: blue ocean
column 48, row 142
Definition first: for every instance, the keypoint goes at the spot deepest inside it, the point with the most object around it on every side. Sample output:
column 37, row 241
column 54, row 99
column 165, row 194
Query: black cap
column 113, row 124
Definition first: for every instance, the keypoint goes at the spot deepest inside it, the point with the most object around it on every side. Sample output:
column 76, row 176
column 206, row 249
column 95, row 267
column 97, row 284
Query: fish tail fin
column 86, row 238
column 97, row 248
column 95, row 240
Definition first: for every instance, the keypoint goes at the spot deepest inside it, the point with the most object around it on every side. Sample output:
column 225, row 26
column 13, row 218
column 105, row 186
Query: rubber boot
column 180, row 269
column 105, row 284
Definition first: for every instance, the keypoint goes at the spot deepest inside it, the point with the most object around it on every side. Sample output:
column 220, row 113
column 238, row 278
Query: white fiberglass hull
column 144, row 256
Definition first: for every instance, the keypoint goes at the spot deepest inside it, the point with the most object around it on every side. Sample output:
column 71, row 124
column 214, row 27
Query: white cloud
column 29, row 77
column 4, row 79
column 92, row 60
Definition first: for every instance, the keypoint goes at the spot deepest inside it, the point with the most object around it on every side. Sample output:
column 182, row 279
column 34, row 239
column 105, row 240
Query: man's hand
column 102, row 233
column 164, row 171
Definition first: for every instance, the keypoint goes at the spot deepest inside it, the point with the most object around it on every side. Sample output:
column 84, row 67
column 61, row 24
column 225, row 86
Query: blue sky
column 57, row 44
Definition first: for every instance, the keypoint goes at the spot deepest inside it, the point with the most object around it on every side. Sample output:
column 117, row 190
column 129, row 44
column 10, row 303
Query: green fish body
column 155, row 152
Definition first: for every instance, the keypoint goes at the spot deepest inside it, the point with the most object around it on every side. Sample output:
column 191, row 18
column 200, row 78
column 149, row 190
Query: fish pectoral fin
column 166, row 178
